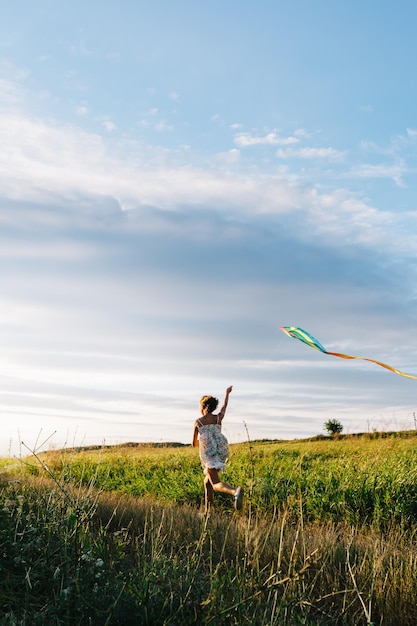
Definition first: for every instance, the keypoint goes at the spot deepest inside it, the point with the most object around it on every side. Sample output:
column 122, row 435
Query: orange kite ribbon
column 305, row 337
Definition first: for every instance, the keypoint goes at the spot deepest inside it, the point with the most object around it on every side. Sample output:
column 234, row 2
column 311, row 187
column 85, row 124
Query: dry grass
column 166, row 563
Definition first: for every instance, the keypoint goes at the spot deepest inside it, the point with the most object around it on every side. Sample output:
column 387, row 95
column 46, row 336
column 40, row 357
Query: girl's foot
column 238, row 498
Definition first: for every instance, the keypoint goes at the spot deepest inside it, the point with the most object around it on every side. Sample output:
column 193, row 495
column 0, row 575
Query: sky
column 180, row 179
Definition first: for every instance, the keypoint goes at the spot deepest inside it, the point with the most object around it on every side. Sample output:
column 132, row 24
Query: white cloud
column 244, row 140
column 21, row 312
column 102, row 308
column 10, row 93
column 48, row 251
column 109, row 125
column 230, row 157
column 162, row 126
column 393, row 172
column 343, row 216
column 39, row 160
column 310, row 153
column 43, row 163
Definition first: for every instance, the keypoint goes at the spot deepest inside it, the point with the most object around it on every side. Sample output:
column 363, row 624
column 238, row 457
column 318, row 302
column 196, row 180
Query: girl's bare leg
column 217, row 484
column 208, row 491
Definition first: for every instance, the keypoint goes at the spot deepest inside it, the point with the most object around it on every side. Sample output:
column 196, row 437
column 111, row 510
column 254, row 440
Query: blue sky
column 177, row 181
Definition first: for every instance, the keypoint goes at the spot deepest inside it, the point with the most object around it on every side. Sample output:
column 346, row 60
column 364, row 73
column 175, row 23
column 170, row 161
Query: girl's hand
column 229, row 389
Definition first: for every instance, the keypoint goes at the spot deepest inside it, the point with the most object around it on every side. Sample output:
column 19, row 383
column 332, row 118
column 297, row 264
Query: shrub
column 333, row 427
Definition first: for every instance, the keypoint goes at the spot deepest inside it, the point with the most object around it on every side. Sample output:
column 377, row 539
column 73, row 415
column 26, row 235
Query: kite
column 305, row 337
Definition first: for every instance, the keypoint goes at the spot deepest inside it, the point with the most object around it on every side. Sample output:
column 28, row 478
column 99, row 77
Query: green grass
column 370, row 481
column 116, row 536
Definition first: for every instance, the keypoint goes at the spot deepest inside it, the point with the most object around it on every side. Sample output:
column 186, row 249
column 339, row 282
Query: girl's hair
column 208, row 403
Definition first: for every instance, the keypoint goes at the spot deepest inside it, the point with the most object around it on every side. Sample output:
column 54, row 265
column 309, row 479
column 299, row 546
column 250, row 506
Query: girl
column 214, row 449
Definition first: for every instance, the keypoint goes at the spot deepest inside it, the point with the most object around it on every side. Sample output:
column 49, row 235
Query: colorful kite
column 305, row 337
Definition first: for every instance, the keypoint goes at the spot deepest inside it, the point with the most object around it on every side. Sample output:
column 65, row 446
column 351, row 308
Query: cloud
column 55, row 164
column 244, row 140
column 141, row 270
column 301, row 132
column 51, row 251
column 311, row 153
column 109, row 125
column 10, row 93
column 229, row 157
column 60, row 174
column 393, row 172
column 163, row 126
column 43, row 161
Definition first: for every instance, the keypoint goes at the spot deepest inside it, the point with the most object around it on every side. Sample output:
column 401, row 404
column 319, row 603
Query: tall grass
column 80, row 546
column 108, row 559
column 355, row 481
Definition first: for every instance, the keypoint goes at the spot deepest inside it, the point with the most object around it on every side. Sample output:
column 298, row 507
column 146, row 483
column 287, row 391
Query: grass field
column 117, row 536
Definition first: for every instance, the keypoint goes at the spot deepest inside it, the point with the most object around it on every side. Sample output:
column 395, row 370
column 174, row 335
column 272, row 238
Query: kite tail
column 305, row 337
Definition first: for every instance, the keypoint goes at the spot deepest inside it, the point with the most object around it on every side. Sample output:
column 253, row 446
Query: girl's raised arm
column 225, row 402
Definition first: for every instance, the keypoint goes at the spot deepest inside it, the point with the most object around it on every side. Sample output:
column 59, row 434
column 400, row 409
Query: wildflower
column 99, row 563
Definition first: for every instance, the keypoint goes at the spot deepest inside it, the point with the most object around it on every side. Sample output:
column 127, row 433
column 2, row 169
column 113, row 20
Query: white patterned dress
column 213, row 447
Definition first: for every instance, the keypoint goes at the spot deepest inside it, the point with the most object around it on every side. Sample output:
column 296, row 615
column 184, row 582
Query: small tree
column 333, row 427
